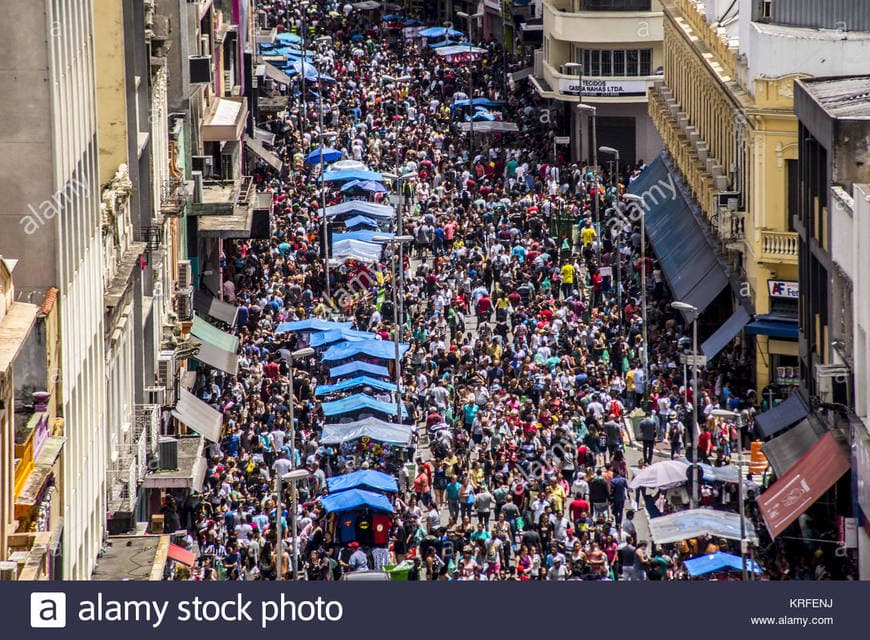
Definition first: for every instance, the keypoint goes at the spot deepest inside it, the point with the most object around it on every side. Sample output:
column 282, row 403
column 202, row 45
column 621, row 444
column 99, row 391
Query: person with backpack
column 675, row 435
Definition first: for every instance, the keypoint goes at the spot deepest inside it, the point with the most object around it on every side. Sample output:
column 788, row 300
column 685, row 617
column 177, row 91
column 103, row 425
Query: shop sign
column 783, row 289
column 595, row 88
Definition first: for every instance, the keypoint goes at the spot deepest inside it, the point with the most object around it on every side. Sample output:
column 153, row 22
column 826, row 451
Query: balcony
column 779, row 247
column 565, row 20
column 226, row 209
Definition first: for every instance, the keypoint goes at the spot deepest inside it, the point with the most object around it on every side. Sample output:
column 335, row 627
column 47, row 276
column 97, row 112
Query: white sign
column 693, row 361
column 562, row 140
column 783, row 289
column 602, row 88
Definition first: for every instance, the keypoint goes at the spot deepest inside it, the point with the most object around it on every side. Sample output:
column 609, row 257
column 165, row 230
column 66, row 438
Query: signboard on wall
column 595, row 88
column 783, row 289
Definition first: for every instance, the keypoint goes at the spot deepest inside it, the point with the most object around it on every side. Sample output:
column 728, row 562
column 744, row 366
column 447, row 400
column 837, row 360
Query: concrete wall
column 27, row 179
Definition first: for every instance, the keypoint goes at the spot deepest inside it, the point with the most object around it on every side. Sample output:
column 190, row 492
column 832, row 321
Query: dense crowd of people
column 522, row 368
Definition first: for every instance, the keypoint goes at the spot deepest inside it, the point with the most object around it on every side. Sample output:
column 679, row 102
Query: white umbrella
column 347, row 164
column 661, row 475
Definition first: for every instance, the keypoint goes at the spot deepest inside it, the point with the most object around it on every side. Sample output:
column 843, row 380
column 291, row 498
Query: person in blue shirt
column 520, row 252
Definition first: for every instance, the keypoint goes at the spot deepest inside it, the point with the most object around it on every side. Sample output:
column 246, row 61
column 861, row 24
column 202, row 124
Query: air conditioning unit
column 166, row 369
column 155, row 395
column 168, row 453
column 728, row 200
column 8, row 571
column 200, row 69
column 833, row 382
column 185, row 274
column 184, row 304
column 203, row 164
column 153, row 462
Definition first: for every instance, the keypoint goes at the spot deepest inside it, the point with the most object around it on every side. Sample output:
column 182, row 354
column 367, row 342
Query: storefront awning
column 785, row 329
column 276, row 74
column 786, row 449
column 206, row 304
column 269, row 157
column 791, row 410
column 219, row 348
column 725, row 334
column 225, row 120
column 795, row 492
column 198, row 415
column 688, row 258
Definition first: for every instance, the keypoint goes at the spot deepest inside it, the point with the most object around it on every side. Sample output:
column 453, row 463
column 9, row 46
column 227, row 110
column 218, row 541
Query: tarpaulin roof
column 692, row 523
column 360, row 221
column 356, row 250
column 346, row 175
column 367, row 186
column 458, row 49
column 352, row 383
column 354, row 368
column 180, row 554
column 718, row 561
column 312, row 324
column 339, row 335
column 288, row 37
column 442, row 44
column 310, row 71
column 360, row 402
column 439, row 32
column 383, row 349
column 371, row 209
column 478, row 102
column 365, row 236
column 495, row 126
column 372, row 428
column 355, row 499
column 365, row 478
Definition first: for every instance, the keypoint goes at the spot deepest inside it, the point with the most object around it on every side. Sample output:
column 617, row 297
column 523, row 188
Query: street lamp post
column 615, row 152
column 396, row 242
column 320, row 41
column 738, row 422
column 293, row 475
column 593, row 112
column 399, row 177
column 470, row 17
column 684, row 306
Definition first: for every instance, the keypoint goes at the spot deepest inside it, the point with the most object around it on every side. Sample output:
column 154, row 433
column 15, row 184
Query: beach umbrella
column 329, row 155
column 661, row 475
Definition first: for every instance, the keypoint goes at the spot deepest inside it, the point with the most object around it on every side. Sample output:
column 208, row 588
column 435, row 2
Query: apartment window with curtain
column 618, row 62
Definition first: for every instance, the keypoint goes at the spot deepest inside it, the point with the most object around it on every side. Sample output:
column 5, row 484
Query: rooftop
column 14, row 330
column 846, row 97
column 128, row 558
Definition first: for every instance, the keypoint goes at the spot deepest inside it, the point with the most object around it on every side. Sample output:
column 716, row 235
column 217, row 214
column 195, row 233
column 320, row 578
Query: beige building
column 606, row 54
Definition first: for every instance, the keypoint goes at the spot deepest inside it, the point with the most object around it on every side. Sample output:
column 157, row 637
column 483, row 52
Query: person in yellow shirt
column 629, row 387
column 588, row 234
column 567, row 278
column 557, row 494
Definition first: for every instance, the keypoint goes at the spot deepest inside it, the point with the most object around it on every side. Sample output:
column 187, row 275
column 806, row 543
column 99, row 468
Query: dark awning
column 807, row 481
column 725, row 334
column 688, row 259
column 206, row 304
column 791, row 410
column 786, row 449
column 785, row 329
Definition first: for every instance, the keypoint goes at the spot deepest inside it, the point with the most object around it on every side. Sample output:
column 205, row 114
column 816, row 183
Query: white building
column 606, row 53
column 50, row 217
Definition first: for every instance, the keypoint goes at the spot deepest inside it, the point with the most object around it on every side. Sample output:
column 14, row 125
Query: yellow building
column 735, row 144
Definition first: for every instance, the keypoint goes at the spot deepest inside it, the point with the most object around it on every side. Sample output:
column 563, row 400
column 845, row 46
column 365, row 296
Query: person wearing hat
column 674, row 434
column 358, row 560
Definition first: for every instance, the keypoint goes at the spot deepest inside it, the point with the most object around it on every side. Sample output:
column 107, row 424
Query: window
column 604, row 62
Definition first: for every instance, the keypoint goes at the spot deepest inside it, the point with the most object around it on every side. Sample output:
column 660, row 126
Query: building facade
column 725, row 111
column 607, row 54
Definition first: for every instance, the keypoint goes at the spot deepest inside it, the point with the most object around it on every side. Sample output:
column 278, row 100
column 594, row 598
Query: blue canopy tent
column 390, row 17
column 357, row 207
column 360, row 221
column 339, row 335
column 717, row 562
column 380, row 349
column 483, row 115
column 365, row 479
column 372, row 428
column 353, row 383
column 412, row 22
column 288, row 37
column 358, row 403
column 354, row 369
column 329, row 155
column 364, row 186
column 478, row 102
column 365, row 236
column 311, row 325
column 442, row 43
column 356, row 499
column 440, row 32
column 311, row 74
column 348, row 175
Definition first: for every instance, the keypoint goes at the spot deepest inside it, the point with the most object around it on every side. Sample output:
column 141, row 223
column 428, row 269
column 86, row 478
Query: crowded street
column 459, row 358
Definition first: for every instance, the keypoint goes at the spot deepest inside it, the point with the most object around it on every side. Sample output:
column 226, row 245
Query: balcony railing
column 779, row 246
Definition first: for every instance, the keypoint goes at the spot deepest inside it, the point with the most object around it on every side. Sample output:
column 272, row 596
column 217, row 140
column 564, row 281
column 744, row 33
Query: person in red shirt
column 484, row 307
column 705, row 445
column 577, row 507
column 422, row 486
